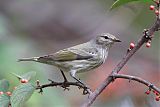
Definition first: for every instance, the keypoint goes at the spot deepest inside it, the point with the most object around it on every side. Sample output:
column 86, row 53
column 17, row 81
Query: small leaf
column 122, row 2
column 28, row 75
column 18, row 76
column 21, row 94
column 4, row 85
column 4, row 100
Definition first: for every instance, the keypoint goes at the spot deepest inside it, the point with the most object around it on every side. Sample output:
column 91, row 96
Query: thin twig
column 138, row 79
column 64, row 85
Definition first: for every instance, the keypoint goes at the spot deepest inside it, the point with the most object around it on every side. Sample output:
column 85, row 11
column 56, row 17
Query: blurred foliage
column 37, row 27
column 122, row 2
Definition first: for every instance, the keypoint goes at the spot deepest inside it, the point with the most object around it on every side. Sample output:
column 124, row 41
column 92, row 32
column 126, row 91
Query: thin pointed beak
column 117, row 40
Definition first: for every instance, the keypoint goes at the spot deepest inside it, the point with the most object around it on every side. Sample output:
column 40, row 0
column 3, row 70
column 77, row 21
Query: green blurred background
column 37, row 27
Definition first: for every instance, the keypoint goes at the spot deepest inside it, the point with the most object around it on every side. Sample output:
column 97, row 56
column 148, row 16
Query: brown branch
column 138, row 79
column 64, row 85
column 147, row 36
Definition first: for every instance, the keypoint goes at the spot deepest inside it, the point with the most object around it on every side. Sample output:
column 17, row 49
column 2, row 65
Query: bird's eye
column 106, row 37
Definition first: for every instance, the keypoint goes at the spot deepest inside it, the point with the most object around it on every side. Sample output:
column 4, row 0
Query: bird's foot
column 86, row 89
column 65, row 85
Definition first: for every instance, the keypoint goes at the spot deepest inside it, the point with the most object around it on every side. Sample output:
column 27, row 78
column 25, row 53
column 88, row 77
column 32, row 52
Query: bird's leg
column 72, row 73
column 64, row 77
column 65, row 85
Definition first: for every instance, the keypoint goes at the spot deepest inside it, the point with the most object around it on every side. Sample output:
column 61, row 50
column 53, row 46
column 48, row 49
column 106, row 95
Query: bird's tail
column 28, row 59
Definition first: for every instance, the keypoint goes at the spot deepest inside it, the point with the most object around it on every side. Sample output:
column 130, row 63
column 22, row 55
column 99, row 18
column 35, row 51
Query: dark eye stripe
column 105, row 37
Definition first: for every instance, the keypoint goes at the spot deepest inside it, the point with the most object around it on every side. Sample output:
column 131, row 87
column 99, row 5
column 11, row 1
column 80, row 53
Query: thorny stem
column 147, row 36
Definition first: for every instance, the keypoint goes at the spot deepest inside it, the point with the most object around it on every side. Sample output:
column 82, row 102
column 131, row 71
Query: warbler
column 80, row 58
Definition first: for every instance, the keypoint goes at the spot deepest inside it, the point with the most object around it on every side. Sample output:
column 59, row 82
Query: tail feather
column 27, row 59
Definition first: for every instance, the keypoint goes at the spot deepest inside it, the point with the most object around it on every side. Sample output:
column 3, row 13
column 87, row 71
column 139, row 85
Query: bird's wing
column 67, row 55
column 71, row 54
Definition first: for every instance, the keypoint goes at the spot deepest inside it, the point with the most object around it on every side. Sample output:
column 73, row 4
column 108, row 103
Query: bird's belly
column 79, row 65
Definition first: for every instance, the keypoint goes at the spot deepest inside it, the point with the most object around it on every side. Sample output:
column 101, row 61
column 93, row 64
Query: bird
column 80, row 58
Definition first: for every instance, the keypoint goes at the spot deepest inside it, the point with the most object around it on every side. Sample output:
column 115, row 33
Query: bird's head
column 106, row 39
